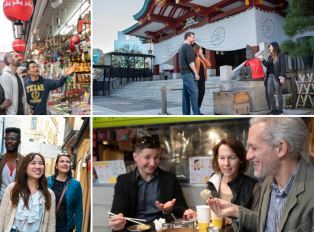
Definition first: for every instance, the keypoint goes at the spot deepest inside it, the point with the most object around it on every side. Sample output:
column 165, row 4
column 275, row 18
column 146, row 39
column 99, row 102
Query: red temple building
column 222, row 28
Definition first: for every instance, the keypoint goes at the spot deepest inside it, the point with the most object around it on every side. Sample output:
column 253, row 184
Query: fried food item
column 206, row 194
column 141, row 227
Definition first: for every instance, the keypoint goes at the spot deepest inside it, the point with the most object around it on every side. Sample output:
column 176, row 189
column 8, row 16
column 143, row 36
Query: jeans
column 13, row 230
column 62, row 227
column 189, row 93
column 272, row 83
column 201, row 90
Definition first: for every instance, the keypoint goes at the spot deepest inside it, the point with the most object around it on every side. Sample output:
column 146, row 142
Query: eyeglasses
column 10, row 138
column 149, row 142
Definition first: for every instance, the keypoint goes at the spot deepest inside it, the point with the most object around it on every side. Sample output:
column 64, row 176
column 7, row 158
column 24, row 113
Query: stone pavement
column 110, row 105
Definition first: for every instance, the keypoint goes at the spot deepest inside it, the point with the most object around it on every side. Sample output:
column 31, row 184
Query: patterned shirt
column 276, row 204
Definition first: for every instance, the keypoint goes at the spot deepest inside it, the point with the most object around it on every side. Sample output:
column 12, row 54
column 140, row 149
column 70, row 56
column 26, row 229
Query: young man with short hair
column 38, row 88
column 141, row 193
column 189, row 75
column 11, row 160
column 13, row 85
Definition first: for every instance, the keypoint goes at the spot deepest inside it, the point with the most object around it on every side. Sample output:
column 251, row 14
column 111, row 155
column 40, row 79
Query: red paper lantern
column 80, row 25
column 21, row 56
column 76, row 39
column 18, row 45
column 20, row 10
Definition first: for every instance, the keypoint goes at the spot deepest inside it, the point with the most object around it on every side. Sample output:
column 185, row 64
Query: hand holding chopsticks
column 130, row 219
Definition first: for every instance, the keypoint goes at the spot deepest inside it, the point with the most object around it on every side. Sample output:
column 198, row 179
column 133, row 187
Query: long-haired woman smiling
column 28, row 205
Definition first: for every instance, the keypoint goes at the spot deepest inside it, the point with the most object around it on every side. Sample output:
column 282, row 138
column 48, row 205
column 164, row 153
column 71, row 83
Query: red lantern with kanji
column 18, row 10
column 18, row 45
column 89, row 165
column 21, row 56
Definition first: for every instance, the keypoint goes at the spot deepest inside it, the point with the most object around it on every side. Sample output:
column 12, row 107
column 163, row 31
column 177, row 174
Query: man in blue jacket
column 38, row 88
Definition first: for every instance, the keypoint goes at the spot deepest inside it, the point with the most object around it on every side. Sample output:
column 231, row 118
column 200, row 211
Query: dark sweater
column 38, row 92
column 125, row 198
column 186, row 57
column 279, row 67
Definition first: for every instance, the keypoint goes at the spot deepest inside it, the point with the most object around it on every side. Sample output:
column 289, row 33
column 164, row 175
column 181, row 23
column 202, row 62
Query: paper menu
column 200, row 169
column 108, row 171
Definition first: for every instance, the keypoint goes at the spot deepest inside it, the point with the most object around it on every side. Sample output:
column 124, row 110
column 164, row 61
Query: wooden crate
column 231, row 103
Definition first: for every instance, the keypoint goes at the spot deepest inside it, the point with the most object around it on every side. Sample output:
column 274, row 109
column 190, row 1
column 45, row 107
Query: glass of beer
column 217, row 221
column 203, row 217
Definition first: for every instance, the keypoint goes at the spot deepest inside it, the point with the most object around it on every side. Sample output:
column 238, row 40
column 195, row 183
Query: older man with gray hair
column 275, row 146
column 13, row 85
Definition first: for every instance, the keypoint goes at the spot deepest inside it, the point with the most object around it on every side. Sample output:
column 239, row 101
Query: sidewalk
column 109, row 105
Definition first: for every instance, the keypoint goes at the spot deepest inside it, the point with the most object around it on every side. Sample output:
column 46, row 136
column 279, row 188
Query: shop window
column 33, row 123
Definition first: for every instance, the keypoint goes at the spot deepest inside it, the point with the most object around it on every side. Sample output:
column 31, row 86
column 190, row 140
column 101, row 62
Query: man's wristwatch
column 282, row 78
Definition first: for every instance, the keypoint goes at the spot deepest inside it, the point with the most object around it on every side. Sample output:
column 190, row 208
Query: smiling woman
column 29, row 192
column 68, row 193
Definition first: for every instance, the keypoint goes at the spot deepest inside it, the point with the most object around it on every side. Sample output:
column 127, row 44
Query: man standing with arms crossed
column 11, row 160
column 189, row 75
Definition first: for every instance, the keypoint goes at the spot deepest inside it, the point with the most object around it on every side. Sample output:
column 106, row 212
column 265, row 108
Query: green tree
column 299, row 19
column 129, row 61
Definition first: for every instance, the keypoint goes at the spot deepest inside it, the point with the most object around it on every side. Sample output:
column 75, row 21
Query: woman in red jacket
column 201, row 66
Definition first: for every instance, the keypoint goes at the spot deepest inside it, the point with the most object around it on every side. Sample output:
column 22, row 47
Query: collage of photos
column 157, row 116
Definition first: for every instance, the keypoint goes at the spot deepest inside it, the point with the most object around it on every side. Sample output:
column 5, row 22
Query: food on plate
column 142, row 227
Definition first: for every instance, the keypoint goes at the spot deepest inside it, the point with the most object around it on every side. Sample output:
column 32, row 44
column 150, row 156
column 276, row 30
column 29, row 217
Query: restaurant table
column 227, row 228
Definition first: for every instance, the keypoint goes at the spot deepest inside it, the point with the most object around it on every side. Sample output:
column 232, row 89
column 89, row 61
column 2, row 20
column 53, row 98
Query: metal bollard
column 164, row 101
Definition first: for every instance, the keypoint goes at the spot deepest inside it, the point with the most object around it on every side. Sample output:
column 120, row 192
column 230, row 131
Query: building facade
column 221, row 28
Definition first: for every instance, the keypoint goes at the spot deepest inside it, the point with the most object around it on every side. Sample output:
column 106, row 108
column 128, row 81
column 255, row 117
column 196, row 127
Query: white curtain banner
column 250, row 27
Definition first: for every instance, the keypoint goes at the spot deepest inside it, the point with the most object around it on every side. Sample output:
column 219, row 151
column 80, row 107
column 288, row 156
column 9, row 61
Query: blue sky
column 109, row 17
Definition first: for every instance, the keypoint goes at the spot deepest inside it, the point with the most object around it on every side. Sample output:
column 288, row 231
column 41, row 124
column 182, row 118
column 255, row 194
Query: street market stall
column 58, row 35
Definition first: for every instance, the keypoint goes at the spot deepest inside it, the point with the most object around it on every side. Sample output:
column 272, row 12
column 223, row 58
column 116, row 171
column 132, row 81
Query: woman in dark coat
column 276, row 75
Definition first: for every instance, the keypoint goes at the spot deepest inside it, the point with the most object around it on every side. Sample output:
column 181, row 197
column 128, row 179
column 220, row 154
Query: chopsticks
column 130, row 219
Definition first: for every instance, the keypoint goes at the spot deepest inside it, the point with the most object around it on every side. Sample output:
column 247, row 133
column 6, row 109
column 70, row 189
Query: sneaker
column 273, row 112
column 281, row 112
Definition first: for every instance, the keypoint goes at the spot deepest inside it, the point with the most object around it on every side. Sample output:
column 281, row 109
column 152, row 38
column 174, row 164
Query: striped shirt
column 276, row 204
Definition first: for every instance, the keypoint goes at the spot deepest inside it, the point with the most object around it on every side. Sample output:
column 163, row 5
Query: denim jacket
column 74, row 201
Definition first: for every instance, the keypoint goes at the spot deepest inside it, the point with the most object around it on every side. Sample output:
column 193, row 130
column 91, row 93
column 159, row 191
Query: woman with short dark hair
column 28, row 205
column 69, row 200
column 275, row 76
column 228, row 181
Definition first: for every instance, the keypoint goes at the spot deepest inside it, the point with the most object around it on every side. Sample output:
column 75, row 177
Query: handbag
column 62, row 195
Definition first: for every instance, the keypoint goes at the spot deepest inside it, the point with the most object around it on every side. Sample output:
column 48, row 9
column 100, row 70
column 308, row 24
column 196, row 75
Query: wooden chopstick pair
column 130, row 219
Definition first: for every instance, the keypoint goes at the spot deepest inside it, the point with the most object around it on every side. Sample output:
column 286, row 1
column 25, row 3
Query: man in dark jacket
column 38, row 88
column 11, row 160
column 141, row 193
